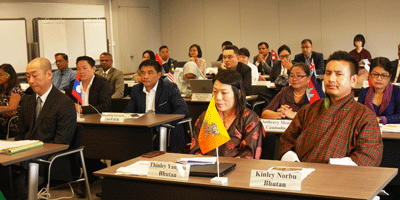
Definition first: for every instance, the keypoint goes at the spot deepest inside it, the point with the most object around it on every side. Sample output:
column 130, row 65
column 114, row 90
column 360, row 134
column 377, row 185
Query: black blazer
column 56, row 122
column 395, row 64
column 245, row 71
column 168, row 65
column 275, row 71
column 318, row 61
column 99, row 95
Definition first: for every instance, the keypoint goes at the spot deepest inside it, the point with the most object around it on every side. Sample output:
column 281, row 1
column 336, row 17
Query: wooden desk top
column 46, row 149
column 6, row 110
column 248, row 98
column 394, row 136
column 147, row 120
column 332, row 181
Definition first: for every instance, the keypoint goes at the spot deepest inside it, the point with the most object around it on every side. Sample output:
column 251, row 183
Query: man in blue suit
column 162, row 97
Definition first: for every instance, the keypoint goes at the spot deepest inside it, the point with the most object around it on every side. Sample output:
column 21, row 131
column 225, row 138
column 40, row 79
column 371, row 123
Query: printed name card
column 169, row 170
column 276, row 179
column 279, row 125
column 112, row 117
column 201, row 96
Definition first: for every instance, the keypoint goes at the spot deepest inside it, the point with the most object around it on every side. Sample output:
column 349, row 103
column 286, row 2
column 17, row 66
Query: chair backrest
column 77, row 139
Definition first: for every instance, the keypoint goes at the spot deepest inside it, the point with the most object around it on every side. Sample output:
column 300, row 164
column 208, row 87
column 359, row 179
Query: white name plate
column 276, row 180
column 279, row 125
column 201, row 96
column 169, row 170
column 112, row 117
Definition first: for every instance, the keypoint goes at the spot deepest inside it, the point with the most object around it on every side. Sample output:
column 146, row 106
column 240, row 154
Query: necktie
column 38, row 106
column 59, row 81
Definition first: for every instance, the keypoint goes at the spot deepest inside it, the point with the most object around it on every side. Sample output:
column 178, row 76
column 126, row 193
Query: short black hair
column 162, row 47
column 284, row 47
column 106, row 54
column 88, row 59
column 306, row 40
column 359, row 37
column 343, row 55
column 234, row 79
column 232, row 47
column 151, row 62
column 65, row 56
column 226, row 43
column 382, row 62
column 151, row 53
column 199, row 52
column 244, row 51
column 303, row 66
column 263, row 43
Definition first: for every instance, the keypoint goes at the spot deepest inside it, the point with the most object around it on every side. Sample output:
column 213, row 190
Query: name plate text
column 169, row 170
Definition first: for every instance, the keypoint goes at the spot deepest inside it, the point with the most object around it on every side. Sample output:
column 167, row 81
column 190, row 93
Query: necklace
column 298, row 95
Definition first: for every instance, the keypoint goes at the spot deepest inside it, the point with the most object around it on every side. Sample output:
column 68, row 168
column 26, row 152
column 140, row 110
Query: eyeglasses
column 105, row 60
column 307, row 47
column 284, row 56
column 297, row 77
column 383, row 76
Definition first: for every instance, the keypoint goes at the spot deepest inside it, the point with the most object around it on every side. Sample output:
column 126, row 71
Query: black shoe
column 80, row 189
column 99, row 194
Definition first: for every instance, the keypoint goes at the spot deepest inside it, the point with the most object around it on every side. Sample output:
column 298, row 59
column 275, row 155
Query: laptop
column 179, row 64
column 201, row 85
column 211, row 170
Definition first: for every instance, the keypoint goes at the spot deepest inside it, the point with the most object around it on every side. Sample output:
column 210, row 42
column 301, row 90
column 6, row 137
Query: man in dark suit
column 396, row 68
column 162, row 97
column 96, row 94
column 231, row 61
column 263, row 59
column 167, row 62
column 308, row 55
column 46, row 116
column 284, row 64
column 115, row 77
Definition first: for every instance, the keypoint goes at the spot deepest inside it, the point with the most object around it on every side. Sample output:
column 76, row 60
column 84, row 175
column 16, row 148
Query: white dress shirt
column 85, row 94
column 254, row 73
column 150, row 98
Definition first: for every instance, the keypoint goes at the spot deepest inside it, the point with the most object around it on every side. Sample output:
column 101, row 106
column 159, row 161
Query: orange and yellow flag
column 212, row 133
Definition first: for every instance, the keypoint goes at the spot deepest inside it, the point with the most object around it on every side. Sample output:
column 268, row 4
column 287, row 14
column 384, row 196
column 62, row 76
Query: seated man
column 162, row 97
column 284, row 64
column 96, row 94
column 337, row 126
column 231, row 62
column 244, row 56
column 167, row 62
column 308, row 55
column 62, row 77
column 115, row 77
column 263, row 59
column 224, row 44
column 46, row 116
column 396, row 68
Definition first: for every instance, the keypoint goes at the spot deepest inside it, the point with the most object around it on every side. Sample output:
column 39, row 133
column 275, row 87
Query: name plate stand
column 287, row 180
column 169, row 170
column 279, row 125
column 112, row 117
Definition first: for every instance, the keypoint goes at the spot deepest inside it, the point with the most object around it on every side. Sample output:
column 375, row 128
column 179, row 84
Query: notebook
column 201, row 85
column 211, row 170
column 11, row 147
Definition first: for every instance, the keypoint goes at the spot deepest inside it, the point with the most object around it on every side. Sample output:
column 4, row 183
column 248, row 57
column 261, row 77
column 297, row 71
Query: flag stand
column 78, row 118
column 219, row 180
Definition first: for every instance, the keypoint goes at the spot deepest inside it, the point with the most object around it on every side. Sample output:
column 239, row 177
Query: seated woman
column 183, row 76
column 242, row 124
column 96, row 94
column 148, row 54
column 291, row 98
column 10, row 96
column 383, row 97
column 195, row 55
column 359, row 53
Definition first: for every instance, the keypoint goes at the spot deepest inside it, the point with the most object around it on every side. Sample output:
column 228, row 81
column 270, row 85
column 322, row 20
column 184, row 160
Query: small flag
column 158, row 59
column 314, row 91
column 213, row 132
column 76, row 90
column 274, row 56
column 171, row 74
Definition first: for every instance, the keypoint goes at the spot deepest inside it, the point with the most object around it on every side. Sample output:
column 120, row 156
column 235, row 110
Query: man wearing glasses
column 308, row 56
column 284, row 64
column 64, row 75
column 115, row 77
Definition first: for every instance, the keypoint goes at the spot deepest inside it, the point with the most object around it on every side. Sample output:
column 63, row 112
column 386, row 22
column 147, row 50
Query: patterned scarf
column 387, row 95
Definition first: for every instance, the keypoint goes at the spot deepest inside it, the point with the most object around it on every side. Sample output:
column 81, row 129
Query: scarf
column 387, row 95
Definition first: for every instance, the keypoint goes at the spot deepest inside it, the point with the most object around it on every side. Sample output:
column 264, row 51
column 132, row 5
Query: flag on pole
column 314, row 91
column 158, row 59
column 274, row 56
column 171, row 76
column 76, row 90
column 212, row 133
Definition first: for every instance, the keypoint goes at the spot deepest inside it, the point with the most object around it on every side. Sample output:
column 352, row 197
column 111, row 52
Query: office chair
column 8, row 125
column 74, row 147
column 169, row 127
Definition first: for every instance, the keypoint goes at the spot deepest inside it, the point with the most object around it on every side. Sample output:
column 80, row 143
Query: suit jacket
column 318, row 61
column 115, row 79
column 245, row 71
column 99, row 95
column 264, row 67
column 395, row 64
column 168, row 65
column 168, row 100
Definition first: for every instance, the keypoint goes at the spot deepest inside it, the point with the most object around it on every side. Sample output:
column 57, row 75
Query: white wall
column 330, row 24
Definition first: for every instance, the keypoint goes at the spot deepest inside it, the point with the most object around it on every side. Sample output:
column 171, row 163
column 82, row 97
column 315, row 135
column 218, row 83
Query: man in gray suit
column 115, row 77
column 396, row 68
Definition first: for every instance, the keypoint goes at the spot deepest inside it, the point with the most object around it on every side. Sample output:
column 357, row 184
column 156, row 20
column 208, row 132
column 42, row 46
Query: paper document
column 137, row 168
column 198, row 161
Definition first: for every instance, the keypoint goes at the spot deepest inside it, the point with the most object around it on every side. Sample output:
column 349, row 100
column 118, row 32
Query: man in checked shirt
column 337, row 126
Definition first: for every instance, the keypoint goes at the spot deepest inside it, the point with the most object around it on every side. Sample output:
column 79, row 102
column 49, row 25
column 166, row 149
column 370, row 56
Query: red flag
column 158, row 59
column 274, row 56
column 76, row 90
column 315, row 91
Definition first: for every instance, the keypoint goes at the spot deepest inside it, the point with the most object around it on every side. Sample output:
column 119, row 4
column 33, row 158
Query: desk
column 391, row 152
column 121, row 141
column 7, row 160
column 326, row 182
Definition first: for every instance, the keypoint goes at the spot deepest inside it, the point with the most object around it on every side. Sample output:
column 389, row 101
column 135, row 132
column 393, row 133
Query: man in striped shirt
column 337, row 126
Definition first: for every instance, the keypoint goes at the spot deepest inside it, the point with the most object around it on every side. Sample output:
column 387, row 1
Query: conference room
column 126, row 28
